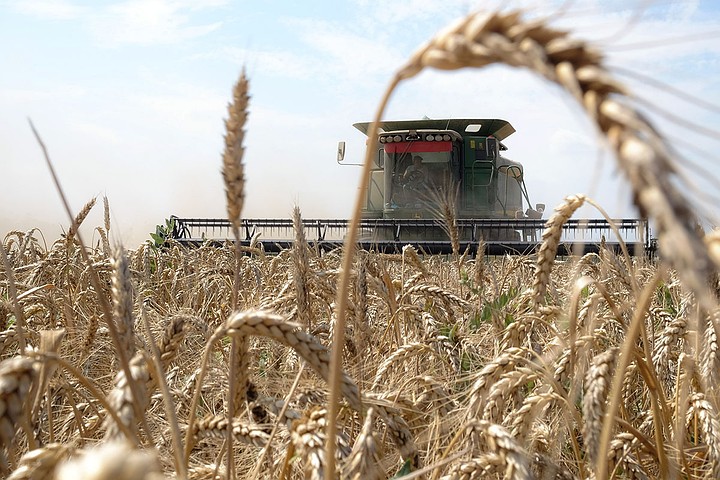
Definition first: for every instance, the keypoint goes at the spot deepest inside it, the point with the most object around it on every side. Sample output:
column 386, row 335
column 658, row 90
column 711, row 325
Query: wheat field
column 224, row 362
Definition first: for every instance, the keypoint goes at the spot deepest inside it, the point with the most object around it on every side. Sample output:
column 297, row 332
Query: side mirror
column 340, row 152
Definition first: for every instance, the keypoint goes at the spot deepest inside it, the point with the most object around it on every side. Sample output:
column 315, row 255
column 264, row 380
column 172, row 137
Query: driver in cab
column 415, row 173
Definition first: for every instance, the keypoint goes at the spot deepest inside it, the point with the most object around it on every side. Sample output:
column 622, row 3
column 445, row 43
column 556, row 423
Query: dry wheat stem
column 619, row 375
column 87, row 383
column 170, row 339
column 280, row 416
column 12, row 291
column 93, row 275
column 344, row 286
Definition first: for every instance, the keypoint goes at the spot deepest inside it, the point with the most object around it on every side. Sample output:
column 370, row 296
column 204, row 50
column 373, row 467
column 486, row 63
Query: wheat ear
column 17, row 377
column 301, row 270
column 273, row 326
column 78, row 220
column 112, row 461
column 216, row 426
column 363, row 462
column 40, row 464
column 551, row 241
column 123, row 400
column 12, row 291
column 709, row 424
column 498, row 441
column 597, row 384
column 480, row 40
column 233, row 171
column 122, row 297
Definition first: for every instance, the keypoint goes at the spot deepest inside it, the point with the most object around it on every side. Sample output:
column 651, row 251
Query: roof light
column 397, row 138
column 429, row 138
column 381, row 139
column 446, row 137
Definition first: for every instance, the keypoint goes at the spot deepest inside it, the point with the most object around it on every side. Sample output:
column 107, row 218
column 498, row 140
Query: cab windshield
column 411, row 172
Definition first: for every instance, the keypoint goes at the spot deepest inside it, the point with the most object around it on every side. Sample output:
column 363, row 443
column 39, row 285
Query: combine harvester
column 425, row 173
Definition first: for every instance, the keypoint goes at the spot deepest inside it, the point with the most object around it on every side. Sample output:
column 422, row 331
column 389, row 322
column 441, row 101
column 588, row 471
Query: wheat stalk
column 233, row 172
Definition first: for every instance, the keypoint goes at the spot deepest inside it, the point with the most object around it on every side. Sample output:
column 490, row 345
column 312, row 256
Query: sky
column 130, row 96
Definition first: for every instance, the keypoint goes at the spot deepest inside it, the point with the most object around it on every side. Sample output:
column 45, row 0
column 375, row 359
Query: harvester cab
column 424, row 167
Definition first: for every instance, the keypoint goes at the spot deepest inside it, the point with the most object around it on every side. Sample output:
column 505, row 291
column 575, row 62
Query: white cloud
column 133, row 22
column 276, row 63
column 145, row 22
column 350, row 55
column 52, row 9
column 24, row 96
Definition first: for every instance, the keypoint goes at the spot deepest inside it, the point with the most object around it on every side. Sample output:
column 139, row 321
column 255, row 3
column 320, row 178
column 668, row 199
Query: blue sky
column 130, row 97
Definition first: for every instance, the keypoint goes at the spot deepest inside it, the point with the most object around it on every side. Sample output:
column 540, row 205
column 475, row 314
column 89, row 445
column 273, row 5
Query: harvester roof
column 500, row 129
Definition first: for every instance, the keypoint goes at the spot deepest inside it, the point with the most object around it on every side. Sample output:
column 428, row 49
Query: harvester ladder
column 479, row 171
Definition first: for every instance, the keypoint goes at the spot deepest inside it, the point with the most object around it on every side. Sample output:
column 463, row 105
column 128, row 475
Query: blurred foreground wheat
column 212, row 364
